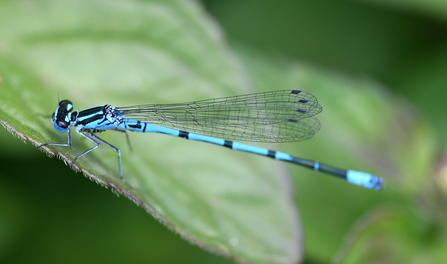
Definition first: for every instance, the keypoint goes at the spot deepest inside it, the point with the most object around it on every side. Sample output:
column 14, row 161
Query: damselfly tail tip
column 364, row 179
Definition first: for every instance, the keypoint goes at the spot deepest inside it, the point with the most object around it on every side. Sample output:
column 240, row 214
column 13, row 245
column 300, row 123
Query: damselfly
column 275, row 117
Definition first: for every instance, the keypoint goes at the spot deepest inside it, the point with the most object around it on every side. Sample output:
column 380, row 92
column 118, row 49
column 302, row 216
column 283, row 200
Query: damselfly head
column 61, row 117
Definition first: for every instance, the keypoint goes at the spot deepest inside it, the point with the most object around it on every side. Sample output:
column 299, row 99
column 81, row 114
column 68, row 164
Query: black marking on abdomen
column 272, row 154
column 228, row 144
column 137, row 125
column 183, row 134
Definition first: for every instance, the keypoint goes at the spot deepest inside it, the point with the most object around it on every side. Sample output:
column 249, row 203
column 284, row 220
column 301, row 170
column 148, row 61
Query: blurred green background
column 50, row 214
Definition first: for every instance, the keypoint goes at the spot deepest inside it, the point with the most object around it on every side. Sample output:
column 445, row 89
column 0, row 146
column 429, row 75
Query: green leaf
column 126, row 53
column 394, row 235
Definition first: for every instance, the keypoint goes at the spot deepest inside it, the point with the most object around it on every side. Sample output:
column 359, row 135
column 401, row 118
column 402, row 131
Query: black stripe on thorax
column 89, row 120
column 91, row 111
column 95, row 113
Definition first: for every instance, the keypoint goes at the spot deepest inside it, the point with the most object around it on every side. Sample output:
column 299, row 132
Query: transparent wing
column 278, row 116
